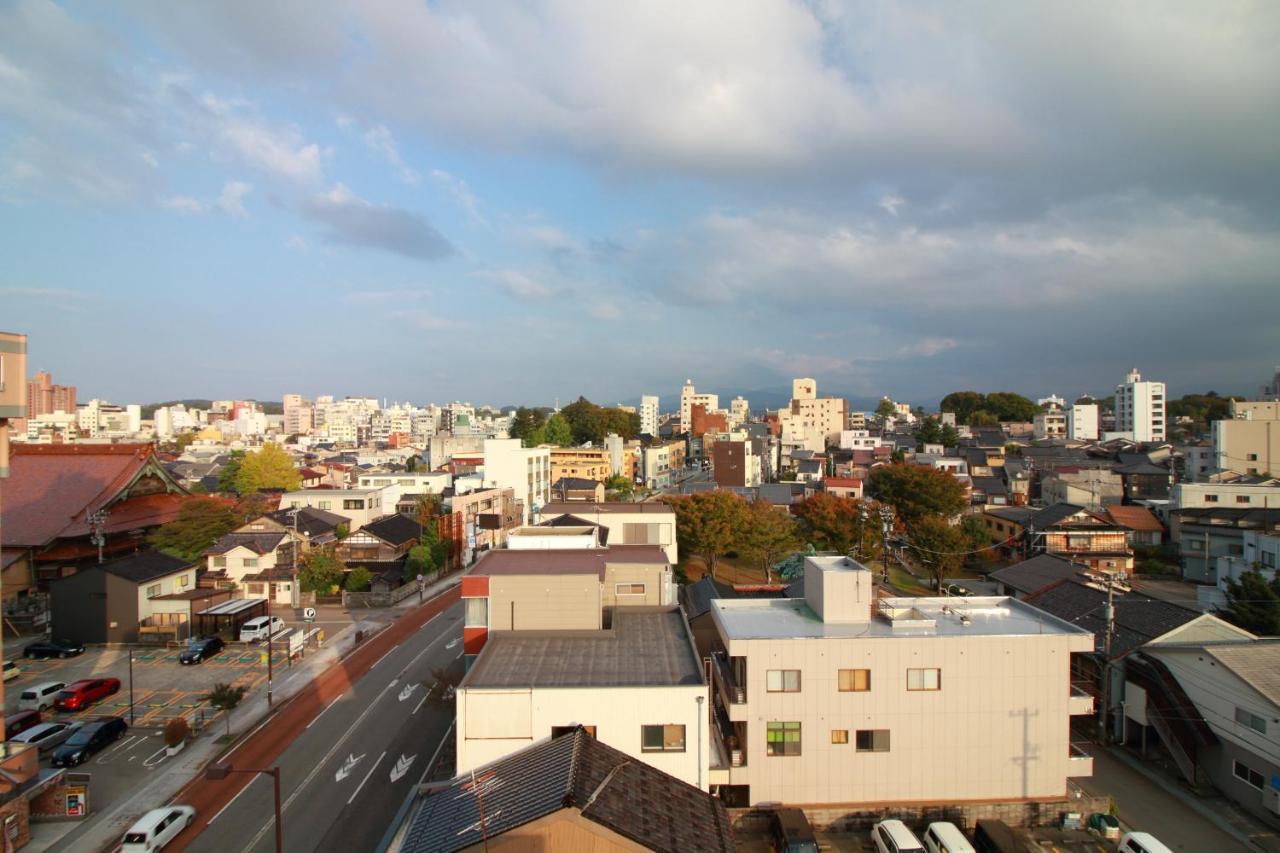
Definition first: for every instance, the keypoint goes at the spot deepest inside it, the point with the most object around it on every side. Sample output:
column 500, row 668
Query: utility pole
column 97, row 524
column 1110, row 614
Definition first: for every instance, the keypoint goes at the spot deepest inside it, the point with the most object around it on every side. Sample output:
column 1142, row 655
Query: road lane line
column 366, row 777
column 317, row 717
column 419, row 705
column 384, row 657
column 432, row 763
column 232, row 800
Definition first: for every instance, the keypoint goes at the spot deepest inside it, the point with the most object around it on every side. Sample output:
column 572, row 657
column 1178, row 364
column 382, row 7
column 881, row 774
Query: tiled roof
column 1134, row 518
column 394, row 529
column 311, row 521
column 258, row 543
column 1255, row 663
column 1036, row 573
column 610, row 788
column 145, row 566
column 1138, row 618
column 606, row 507
column 697, row 596
column 1051, row 516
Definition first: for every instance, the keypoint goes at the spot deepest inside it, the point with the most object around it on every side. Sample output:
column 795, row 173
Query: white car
column 11, row 670
column 46, row 736
column 943, row 837
column 1141, row 842
column 892, row 836
column 37, row 697
column 157, row 828
column 260, row 627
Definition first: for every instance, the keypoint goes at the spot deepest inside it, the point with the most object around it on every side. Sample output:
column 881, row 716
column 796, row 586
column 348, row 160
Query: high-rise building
column 1140, row 408
column 689, row 396
column 649, row 415
column 739, row 411
column 45, row 398
column 1082, row 422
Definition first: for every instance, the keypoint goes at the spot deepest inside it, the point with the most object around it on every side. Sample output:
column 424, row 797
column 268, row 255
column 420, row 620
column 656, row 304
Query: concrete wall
column 649, row 574
column 493, row 723
column 544, row 602
column 1235, row 442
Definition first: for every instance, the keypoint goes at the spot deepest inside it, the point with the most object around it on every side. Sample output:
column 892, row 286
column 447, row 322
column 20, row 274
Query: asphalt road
column 351, row 760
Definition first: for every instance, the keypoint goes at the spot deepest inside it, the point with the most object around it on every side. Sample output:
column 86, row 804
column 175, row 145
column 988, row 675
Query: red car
column 79, row 695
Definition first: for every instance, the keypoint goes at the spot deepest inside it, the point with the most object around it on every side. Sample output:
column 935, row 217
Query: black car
column 201, row 650
column 53, row 649
column 91, row 738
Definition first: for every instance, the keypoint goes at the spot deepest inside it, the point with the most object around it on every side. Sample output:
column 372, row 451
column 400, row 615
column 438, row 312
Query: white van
column 157, row 828
column 11, row 670
column 892, row 836
column 259, row 628
column 944, row 837
column 1141, row 842
column 37, row 697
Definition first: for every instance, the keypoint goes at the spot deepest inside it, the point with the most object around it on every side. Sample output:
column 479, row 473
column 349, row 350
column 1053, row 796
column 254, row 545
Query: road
column 349, row 748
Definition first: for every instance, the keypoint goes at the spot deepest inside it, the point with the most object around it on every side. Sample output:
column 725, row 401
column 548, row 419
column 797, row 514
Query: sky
column 510, row 203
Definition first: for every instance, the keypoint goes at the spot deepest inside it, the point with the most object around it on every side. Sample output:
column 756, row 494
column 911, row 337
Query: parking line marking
column 101, row 759
column 366, row 777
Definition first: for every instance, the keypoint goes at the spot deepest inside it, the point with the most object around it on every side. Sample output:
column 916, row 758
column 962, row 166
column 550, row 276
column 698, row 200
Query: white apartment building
column 359, row 506
column 649, row 415
column 628, row 523
column 1249, row 441
column 1082, row 422
column 396, row 485
column 524, row 470
column 1227, row 491
column 1051, row 423
column 739, row 411
column 1140, row 408
column 689, row 398
column 840, row 697
column 859, row 439
column 811, row 422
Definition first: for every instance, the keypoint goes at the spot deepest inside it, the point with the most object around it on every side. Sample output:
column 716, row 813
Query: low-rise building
column 357, row 506
column 109, row 603
column 1080, row 534
column 586, row 463
column 629, row 523
column 1249, row 441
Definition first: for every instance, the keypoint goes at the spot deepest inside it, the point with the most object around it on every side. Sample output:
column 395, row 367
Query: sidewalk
column 104, row 830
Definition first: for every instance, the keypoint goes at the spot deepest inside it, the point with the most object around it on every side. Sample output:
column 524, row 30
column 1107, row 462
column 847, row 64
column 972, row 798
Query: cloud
column 350, row 220
column 382, row 143
column 926, row 348
column 279, row 152
column 461, row 193
column 384, row 296
column 231, row 199
column 297, row 242
column 520, row 285
column 183, row 204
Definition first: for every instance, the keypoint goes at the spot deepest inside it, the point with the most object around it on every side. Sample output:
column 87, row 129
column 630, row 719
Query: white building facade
column 1140, row 408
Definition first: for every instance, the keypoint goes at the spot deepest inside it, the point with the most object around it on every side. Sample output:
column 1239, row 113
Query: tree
column 886, row 409
column 269, row 468
column 200, row 522
column 591, row 423
column 320, row 572
column 230, row 471
column 950, row 436
column 768, row 535
column 1008, row 406
column 358, row 579
column 524, row 423
column 1253, row 603
column 928, row 431
column 558, row 431
column 835, row 523
column 225, row 697
column 978, row 540
column 256, row 505
column 620, row 487
column 708, row 524
column 915, row 491
column 982, row 418
column 963, row 404
column 341, row 530
column 937, row 546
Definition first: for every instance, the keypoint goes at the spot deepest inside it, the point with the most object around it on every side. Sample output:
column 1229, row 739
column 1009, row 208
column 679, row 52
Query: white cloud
column 278, row 152
column 461, row 193
column 927, row 348
column 520, row 285
column 297, row 242
column 383, row 143
column 183, row 204
column 231, row 199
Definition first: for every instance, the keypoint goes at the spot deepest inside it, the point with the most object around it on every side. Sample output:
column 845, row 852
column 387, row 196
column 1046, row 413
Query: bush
column 358, row 579
column 176, row 731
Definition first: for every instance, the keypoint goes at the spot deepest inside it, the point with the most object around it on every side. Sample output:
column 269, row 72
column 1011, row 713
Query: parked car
column 79, row 695
column 40, row 696
column 991, row 835
column 1104, row 825
column 53, row 649
column 157, row 828
column 89, row 739
column 892, row 836
column 259, row 628
column 46, row 736
column 11, row 670
column 945, row 837
column 792, row 832
column 20, row 722
column 1141, row 842
column 201, row 649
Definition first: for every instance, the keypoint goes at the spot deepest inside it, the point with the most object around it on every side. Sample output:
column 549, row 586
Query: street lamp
column 130, row 687
column 214, row 772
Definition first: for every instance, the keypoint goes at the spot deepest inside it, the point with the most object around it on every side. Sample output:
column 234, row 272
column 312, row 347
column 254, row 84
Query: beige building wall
column 565, row 831
column 544, row 602
column 653, row 576
column 177, row 582
column 998, row 729
column 1248, row 446
column 495, row 722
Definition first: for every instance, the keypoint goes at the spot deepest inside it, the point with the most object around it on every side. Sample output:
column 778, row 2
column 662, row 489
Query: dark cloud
column 353, row 221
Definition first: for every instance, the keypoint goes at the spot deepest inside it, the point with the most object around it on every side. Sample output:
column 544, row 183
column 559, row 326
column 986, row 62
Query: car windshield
column 135, row 838
column 81, row 737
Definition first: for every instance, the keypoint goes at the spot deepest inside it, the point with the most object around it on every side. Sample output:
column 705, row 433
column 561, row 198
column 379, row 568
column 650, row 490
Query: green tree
column 1007, row 406
column 1253, row 603
column 341, row 531
column 963, row 404
column 199, row 523
column 558, row 431
column 320, row 572
column 708, row 524
column 937, row 546
column 620, row 487
column 591, row 423
column 269, row 468
column 524, row 423
column 978, row 540
column 225, row 697
column 950, row 436
column 915, row 491
column 885, row 409
column 834, row 523
column 928, row 431
column 229, row 472
column 983, row 418
column 358, row 579
column 768, row 535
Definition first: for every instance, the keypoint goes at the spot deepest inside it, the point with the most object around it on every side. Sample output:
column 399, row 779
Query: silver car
column 47, row 735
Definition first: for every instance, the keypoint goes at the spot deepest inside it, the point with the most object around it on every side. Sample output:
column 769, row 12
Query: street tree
column 834, row 523
column 937, row 546
column 768, row 535
column 916, row 491
column 708, row 524
column 200, row 522
column 225, row 697
column 269, row 468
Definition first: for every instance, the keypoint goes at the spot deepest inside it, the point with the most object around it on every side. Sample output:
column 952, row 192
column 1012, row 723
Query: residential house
column 386, row 540
column 836, row 697
column 572, row 791
column 735, row 463
column 357, row 506
column 479, row 520
column 843, row 487
column 1227, row 490
column 241, row 553
column 1145, row 480
column 577, row 489
column 628, row 523
column 1081, row 534
column 109, row 603
column 1203, row 535
column 1022, row 579
column 1007, row 525
column 395, row 485
column 1141, row 526
column 309, row 527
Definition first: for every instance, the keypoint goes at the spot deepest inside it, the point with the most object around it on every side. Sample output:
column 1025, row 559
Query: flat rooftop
column 792, row 618
column 565, row 561
column 647, row 646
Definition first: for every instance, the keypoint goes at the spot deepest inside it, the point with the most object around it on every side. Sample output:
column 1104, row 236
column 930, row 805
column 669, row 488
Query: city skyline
column 894, row 201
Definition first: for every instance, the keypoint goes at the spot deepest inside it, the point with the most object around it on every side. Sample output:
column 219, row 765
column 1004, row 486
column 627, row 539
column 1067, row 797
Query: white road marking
column 366, row 777
column 384, row 657
column 163, row 752
column 402, row 766
column 105, row 757
column 350, row 764
column 232, row 800
column 451, row 643
column 250, row 735
column 322, row 713
column 407, row 691
column 420, row 704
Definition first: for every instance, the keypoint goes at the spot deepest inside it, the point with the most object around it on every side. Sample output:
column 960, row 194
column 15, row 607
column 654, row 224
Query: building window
column 839, row 735
column 183, row 581
column 1211, row 499
column 924, row 679
column 1268, row 559
column 153, row 590
column 219, row 562
column 251, row 562
column 325, row 505
column 855, row 680
column 1242, row 499
column 475, row 613
column 353, row 504
column 1247, row 774
column 782, row 738
column 628, row 589
column 1252, row 720
column 782, row 681
column 872, row 740
column 1251, row 457
column 667, row 738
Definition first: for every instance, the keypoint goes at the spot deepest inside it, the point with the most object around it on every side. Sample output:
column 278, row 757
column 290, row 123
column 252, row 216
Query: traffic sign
column 309, row 614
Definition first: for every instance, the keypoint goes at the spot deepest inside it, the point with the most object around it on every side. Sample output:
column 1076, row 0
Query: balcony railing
column 733, row 692
column 1080, row 763
column 1081, row 701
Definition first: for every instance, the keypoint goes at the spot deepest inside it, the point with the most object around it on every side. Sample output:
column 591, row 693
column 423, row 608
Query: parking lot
column 860, row 842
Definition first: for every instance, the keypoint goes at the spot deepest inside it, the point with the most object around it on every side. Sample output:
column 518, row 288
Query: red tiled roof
column 53, row 486
column 1134, row 518
column 843, row 482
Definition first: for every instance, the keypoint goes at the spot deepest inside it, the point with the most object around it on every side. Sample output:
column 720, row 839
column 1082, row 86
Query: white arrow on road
column 407, row 691
column 451, row 643
column 345, row 770
column 402, row 767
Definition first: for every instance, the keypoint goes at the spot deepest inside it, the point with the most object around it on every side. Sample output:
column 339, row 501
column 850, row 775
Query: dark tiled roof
column 991, row 485
column 1016, row 514
column 697, row 596
column 1036, row 573
column 574, row 484
column 607, row 787
column 145, row 566
column 311, row 522
column 394, row 529
column 606, row 507
column 1138, row 618
column 1054, row 515
column 259, row 543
